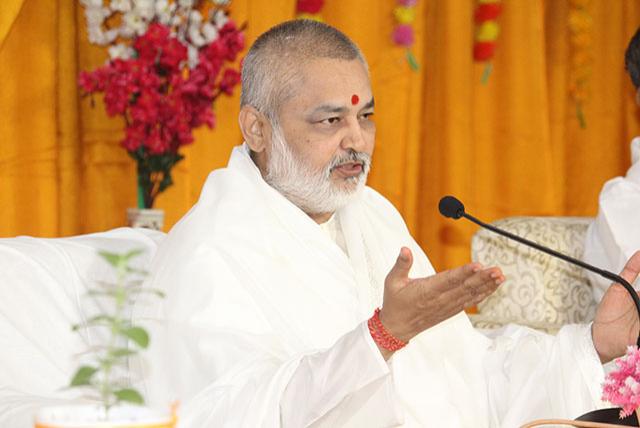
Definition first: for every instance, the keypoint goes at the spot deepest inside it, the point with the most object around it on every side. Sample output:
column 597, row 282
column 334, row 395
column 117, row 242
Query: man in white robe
column 271, row 277
column 614, row 235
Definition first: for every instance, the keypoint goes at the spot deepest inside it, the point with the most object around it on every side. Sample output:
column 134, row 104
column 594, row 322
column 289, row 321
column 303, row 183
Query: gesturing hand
column 411, row 306
column 616, row 323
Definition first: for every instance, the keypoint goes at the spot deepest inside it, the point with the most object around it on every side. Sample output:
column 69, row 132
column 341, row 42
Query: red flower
column 230, row 78
column 135, row 135
column 487, row 12
column 483, row 51
column 162, row 100
column 147, row 45
column 310, row 6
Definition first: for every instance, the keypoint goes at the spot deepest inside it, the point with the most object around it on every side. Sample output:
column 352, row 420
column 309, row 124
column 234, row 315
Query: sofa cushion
column 43, row 284
column 540, row 291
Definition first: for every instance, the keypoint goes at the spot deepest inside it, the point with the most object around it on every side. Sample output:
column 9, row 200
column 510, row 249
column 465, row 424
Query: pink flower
column 407, row 3
column 403, row 35
column 309, row 6
column 622, row 386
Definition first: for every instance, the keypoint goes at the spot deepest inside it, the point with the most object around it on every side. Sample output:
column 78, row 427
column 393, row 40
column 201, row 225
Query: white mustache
column 351, row 157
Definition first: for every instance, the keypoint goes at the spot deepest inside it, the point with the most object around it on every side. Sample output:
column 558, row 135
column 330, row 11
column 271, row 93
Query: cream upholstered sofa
column 540, row 291
column 43, row 287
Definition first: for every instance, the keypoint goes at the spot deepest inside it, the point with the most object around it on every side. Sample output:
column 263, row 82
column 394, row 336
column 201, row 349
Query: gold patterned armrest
column 540, row 291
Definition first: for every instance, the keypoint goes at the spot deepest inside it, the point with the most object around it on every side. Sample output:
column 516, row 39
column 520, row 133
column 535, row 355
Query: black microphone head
column 451, row 207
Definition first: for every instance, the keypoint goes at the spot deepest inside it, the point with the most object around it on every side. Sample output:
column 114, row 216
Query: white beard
column 312, row 190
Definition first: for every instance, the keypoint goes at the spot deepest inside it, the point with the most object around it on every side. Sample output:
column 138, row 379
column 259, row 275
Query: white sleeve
column 614, row 235
column 532, row 375
column 229, row 366
column 348, row 382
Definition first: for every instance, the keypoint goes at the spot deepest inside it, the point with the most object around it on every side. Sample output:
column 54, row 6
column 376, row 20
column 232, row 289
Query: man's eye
column 330, row 120
column 366, row 115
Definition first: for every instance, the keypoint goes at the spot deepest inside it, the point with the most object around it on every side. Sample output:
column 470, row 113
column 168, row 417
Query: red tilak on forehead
column 354, row 99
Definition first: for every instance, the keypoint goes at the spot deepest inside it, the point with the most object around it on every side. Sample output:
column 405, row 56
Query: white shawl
column 614, row 235
column 263, row 325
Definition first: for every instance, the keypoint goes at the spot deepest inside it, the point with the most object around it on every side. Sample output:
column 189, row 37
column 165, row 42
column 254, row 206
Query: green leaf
column 114, row 259
column 138, row 335
column 98, row 293
column 157, row 292
column 100, row 318
column 97, row 320
column 83, row 376
column 122, row 352
column 133, row 253
column 130, row 395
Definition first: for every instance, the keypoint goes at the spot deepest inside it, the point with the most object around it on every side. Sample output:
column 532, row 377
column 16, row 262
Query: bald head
column 271, row 69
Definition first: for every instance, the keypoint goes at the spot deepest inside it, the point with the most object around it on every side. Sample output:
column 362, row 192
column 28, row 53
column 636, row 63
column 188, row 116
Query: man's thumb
column 400, row 269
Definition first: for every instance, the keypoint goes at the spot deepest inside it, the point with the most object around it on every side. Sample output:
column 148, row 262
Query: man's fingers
column 453, row 278
column 481, row 283
column 400, row 270
column 631, row 268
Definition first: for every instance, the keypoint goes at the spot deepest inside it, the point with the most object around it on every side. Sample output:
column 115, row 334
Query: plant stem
column 106, row 389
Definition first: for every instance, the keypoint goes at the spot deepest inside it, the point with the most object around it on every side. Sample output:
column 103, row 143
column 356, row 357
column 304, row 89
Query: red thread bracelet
column 381, row 336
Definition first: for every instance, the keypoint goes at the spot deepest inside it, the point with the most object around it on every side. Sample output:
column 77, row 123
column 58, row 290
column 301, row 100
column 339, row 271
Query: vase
column 145, row 217
column 93, row 416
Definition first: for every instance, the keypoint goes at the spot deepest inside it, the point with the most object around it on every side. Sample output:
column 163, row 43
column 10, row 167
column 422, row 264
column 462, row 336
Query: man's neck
column 320, row 218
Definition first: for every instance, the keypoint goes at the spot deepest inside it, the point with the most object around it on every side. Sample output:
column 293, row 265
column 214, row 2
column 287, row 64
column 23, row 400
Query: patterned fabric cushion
column 540, row 291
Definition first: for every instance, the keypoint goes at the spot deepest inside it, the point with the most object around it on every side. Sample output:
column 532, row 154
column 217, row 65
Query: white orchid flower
column 133, row 23
column 196, row 37
column 91, row 3
column 120, row 5
column 192, row 56
column 210, row 32
column 195, row 17
column 120, row 51
column 165, row 11
column 145, row 8
column 220, row 19
column 97, row 37
column 96, row 15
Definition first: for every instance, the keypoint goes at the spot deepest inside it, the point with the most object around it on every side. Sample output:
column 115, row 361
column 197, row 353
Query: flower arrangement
column 403, row 33
column 105, row 375
column 169, row 61
column 580, row 42
column 622, row 385
column 309, row 9
column 487, row 30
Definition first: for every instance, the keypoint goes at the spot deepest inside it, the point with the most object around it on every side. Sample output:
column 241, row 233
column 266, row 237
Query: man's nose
column 354, row 137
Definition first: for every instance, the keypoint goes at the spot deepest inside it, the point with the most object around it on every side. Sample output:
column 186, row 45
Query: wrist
column 603, row 351
column 382, row 336
column 395, row 327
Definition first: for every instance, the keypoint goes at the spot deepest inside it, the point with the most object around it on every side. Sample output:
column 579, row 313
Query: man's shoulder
column 381, row 207
column 376, row 200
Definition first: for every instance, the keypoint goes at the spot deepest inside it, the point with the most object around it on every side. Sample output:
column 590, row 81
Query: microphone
column 451, row 207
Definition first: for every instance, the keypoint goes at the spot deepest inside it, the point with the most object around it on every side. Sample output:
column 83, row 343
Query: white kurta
column 615, row 234
column 264, row 324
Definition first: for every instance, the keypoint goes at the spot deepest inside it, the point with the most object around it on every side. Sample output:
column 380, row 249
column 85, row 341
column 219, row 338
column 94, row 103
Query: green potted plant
column 103, row 373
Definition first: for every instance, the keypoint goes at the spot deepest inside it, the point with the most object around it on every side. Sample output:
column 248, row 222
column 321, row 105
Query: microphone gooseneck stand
column 451, row 207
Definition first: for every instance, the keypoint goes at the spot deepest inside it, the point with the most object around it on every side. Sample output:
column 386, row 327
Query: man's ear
column 255, row 128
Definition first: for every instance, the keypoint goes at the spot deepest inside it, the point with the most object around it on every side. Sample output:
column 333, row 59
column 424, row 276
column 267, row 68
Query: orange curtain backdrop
column 510, row 147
